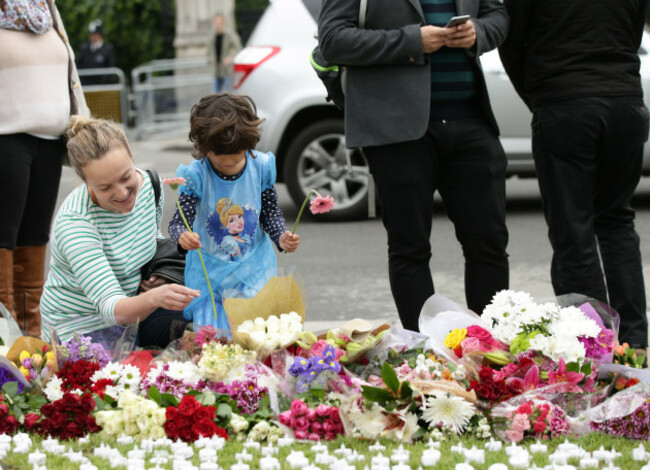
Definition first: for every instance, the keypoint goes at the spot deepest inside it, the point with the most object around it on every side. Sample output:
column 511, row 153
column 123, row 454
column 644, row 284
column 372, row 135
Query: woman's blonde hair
column 90, row 139
column 226, row 208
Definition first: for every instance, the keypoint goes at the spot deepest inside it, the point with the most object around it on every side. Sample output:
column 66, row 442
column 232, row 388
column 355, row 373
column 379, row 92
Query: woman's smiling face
column 112, row 181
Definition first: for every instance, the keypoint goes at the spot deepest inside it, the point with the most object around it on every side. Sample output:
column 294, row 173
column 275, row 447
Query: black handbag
column 167, row 262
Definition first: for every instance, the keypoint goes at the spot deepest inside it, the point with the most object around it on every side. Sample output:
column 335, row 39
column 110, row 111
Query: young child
column 231, row 204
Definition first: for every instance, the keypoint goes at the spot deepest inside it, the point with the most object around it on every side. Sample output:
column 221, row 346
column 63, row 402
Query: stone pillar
column 193, row 24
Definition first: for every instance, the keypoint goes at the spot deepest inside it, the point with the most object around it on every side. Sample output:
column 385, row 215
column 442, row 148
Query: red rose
column 184, row 421
column 481, row 334
column 222, row 433
column 334, row 414
column 58, row 420
column 170, row 413
column 87, row 403
column 10, row 424
column 188, row 405
column 205, row 428
column 73, row 430
column 205, row 412
column 47, row 410
column 171, row 429
column 4, row 410
column 69, row 401
column 31, row 421
column 539, row 427
column 188, row 435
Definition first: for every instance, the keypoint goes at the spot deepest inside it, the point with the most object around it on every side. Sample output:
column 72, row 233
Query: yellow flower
column 49, row 356
column 24, row 355
column 25, row 372
column 453, row 339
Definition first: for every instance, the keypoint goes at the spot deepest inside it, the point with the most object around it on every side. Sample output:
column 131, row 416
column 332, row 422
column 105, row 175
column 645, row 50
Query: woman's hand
column 189, row 241
column 152, row 282
column 289, row 241
column 173, row 296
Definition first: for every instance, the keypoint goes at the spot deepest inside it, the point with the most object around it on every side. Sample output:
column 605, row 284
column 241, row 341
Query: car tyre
column 316, row 159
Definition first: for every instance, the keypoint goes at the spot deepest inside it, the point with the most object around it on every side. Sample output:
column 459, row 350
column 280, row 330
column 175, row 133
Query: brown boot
column 29, row 272
column 7, row 279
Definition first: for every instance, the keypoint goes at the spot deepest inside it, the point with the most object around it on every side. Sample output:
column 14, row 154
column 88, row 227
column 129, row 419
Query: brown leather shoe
column 29, row 273
column 7, row 279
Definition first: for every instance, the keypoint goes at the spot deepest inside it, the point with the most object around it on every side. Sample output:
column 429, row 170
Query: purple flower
column 7, row 376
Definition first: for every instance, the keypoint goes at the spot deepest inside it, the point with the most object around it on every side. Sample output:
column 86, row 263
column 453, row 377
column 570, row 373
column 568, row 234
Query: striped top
column 96, row 260
column 452, row 71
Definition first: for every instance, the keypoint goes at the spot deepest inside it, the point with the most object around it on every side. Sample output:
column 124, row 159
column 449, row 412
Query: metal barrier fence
column 163, row 92
column 106, row 93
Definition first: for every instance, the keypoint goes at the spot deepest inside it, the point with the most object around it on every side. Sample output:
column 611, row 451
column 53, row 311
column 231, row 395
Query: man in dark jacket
column 417, row 103
column 576, row 65
column 95, row 54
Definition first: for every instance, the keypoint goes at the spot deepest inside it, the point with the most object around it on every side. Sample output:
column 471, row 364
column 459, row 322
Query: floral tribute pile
column 521, row 370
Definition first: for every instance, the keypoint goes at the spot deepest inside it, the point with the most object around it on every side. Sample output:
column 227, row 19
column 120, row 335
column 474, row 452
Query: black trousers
column 161, row 328
column 588, row 154
column 31, row 169
column 464, row 161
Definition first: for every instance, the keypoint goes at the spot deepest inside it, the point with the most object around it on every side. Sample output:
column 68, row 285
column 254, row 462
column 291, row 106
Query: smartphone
column 456, row 20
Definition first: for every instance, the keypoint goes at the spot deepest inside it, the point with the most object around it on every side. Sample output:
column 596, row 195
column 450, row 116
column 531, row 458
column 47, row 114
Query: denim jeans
column 588, row 155
column 463, row 160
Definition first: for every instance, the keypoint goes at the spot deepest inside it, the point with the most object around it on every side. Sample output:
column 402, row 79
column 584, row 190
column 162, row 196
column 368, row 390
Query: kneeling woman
column 103, row 234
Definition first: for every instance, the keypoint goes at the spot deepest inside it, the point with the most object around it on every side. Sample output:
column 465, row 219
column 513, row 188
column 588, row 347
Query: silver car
column 306, row 133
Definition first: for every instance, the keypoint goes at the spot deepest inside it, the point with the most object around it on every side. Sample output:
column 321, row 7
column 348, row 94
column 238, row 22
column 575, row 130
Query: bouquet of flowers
column 272, row 333
column 526, row 417
column 322, row 422
column 82, row 347
column 224, row 362
column 190, row 419
column 137, row 416
column 627, row 356
column 176, row 378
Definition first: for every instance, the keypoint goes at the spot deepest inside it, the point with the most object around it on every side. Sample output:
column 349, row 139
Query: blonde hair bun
column 75, row 124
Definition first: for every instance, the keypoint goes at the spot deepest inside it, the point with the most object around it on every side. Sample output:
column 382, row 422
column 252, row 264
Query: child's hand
column 289, row 241
column 189, row 241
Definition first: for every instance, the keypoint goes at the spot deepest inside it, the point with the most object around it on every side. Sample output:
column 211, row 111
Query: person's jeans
column 464, row 161
column 160, row 328
column 588, row 155
column 31, row 169
column 222, row 84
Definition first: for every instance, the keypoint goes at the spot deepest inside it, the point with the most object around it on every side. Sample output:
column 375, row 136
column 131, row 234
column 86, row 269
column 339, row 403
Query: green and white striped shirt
column 96, row 260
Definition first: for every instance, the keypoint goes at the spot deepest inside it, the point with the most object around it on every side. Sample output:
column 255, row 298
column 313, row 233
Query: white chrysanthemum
column 576, row 323
column 53, row 390
column 131, row 375
column 370, row 422
column 185, row 371
column 112, row 371
column 449, row 411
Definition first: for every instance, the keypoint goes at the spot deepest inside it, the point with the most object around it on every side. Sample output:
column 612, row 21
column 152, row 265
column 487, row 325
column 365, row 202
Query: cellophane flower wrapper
column 618, row 407
column 9, row 330
column 501, row 416
column 112, row 344
column 397, row 339
column 189, row 345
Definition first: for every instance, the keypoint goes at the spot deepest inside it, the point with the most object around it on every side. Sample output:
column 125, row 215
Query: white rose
column 131, row 413
column 246, row 327
column 262, row 428
column 131, row 429
column 260, row 325
column 158, row 416
column 238, row 423
column 257, row 338
column 103, row 417
column 143, row 422
column 156, row 432
column 114, row 427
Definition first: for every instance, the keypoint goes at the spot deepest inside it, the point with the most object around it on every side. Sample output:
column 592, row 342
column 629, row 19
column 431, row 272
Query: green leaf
column 405, row 390
column 389, row 376
column 572, row 367
column 317, row 391
column 154, row 394
column 586, row 369
column 169, row 400
column 376, row 394
column 36, row 402
column 10, row 388
column 208, row 399
column 224, row 411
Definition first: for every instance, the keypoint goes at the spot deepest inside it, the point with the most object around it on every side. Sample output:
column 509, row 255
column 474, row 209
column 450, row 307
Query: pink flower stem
column 302, row 208
column 198, row 250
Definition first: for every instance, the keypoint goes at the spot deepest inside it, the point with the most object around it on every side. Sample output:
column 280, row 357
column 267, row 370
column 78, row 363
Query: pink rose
column 298, row 408
column 339, row 354
column 479, row 333
column 323, row 411
column 300, row 435
column 317, row 427
column 313, row 436
column 329, row 437
column 513, row 435
column 311, row 414
column 318, row 347
column 334, row 414
column 470, row 344
column 285, row 418
column 520, row 423
column 301, row 423
column 330, row 427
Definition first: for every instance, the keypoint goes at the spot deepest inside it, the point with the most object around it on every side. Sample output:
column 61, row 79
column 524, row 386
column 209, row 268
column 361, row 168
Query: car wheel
column 316, row 159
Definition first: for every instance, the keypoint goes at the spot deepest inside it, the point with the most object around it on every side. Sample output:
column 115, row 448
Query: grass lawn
column 448, row 460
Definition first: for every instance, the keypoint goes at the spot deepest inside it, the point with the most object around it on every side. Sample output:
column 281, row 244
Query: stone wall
column 194, row 22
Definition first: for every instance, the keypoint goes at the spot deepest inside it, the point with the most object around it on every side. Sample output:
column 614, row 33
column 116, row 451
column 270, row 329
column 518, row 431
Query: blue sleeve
column 193, row 174
column 269, row 172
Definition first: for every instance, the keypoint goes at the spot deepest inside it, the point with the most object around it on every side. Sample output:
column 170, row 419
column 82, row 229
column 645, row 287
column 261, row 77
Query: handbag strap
column 155, row 182
column 363, row 7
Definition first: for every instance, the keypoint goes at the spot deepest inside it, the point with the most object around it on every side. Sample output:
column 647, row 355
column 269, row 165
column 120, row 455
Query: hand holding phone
column 457, row 20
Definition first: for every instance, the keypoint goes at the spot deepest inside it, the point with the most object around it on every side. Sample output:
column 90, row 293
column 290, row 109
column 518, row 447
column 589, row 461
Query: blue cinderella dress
column 238, row 264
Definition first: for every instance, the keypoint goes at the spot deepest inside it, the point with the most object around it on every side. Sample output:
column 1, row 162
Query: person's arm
column 513, row 50
column 271, row 218
column 82, row 247
column 176, row 226
column 341, row 41
column 491, row 26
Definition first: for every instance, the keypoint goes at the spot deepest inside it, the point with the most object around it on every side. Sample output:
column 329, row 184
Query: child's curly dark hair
column 224, row 123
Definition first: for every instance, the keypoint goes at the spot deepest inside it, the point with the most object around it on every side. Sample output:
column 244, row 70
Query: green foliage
column 140, row 30
column 21, row 403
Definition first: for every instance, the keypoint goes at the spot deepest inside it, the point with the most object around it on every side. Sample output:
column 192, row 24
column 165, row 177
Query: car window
column 313, row 7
